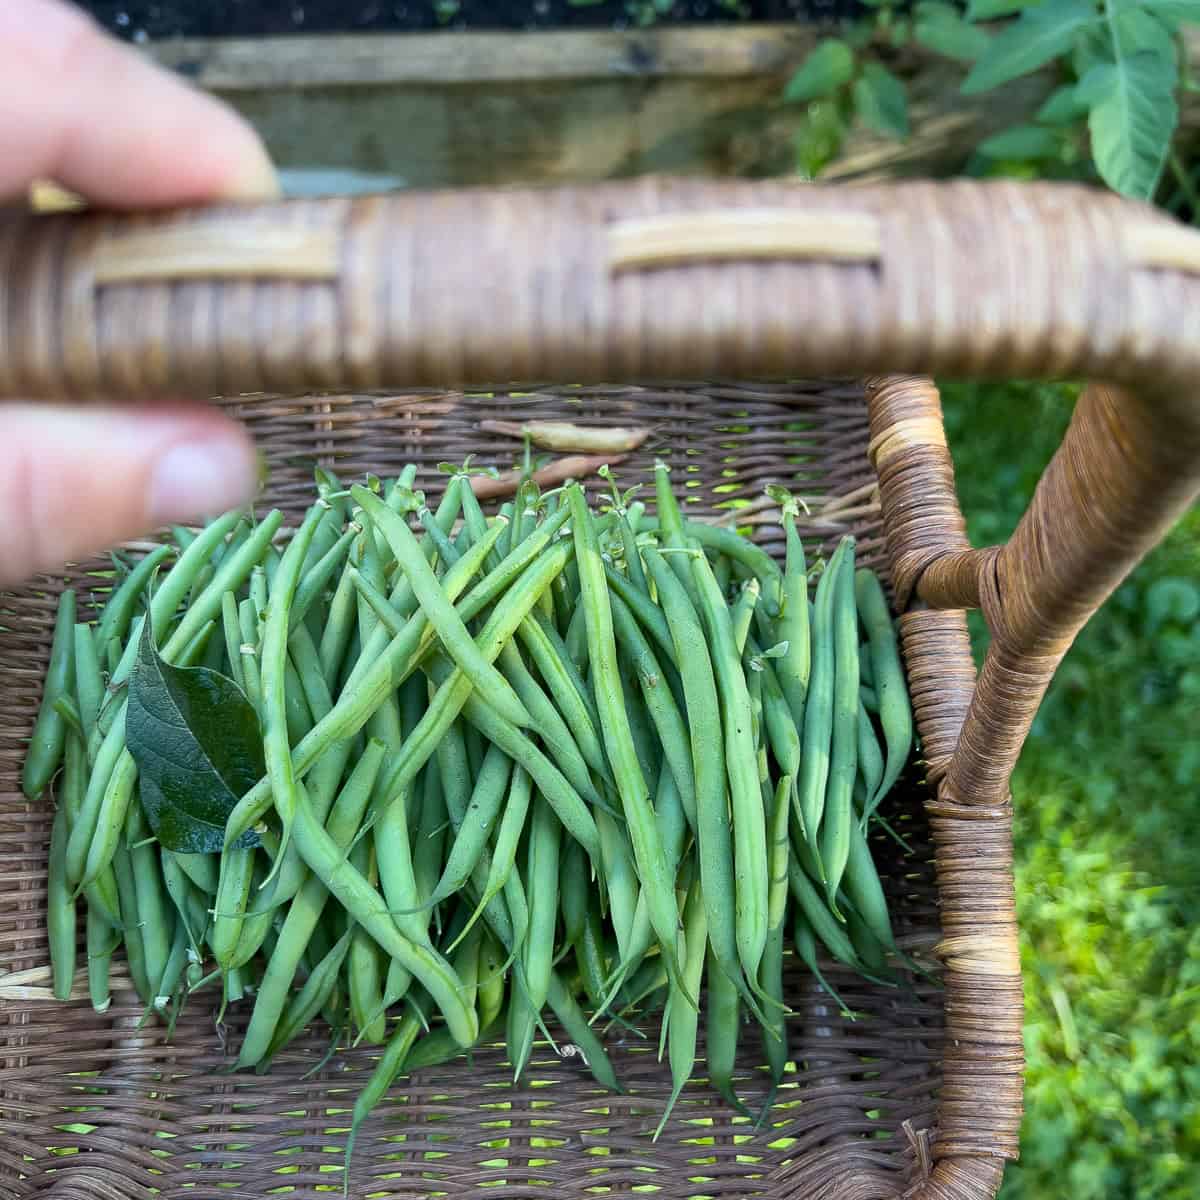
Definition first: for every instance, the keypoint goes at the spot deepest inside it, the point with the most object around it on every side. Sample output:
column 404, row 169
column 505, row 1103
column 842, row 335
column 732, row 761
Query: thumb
column 74, row 481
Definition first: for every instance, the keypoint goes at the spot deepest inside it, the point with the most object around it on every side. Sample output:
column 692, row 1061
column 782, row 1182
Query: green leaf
column 1038, row 36
column 988, row 10
column 1063, row 106
column 941, row 28
column 1138, row 30
column 1022, row 142
column 198, row 747
column 1171, row 599
column 1174, row 12
column 1132, row 120
column 827, row 68
column 881, row 101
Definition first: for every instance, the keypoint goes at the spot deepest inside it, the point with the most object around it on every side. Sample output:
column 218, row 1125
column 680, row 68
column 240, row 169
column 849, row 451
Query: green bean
column 316, row 578
column 865, row 668
column 680, row 1020
column 568, row 804
column 430, row 835
column 555, row 733
column 274, row 663
column 455, row 767
column 648, row 614
column 552, row 659
column 795, row 666
column 819, row 917
column 743, row 611
column 103, row 896
column 365, row 905
column 231, row 575
column 359, row 699
column 741, row 769
column 806, row 949
column 713, row 838
column 49, row 731
column 72, row 784
column 487, row 796
column 723, row 570
column 724, row 1029
column 865, row 890
column 311, row 998
column 229, row 907
column 508, row 836
column 541, row 870
column 573, row 888
column 742, row 550
column 89, row 684
column 440, row 611
column 118, row 612
column 60, row 910
column 364, row 968
column 870, row 953
column 645, row 740
column 660, row 703
column 817, row 737
column 782, row 733
column 618, row 738
column 870, row 757
column 456, row 692
column 338, row 628
column 102, row 939
column 895, row 710
column 110, row 821
column 172, row 973
column 775, row 1045
column 134, row 953
column 575, row 1025
column 389, row 1066
column 843, row 760
column 575, row 638
column 305, row 911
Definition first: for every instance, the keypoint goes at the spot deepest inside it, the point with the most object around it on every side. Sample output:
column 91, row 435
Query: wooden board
column 429, row 110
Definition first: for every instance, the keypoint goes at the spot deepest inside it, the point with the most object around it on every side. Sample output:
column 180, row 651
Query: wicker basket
column 921, row 1096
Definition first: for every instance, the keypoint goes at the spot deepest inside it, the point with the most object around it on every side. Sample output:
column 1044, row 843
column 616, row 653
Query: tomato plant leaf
column 1132, row 120
column 988, row 10
column 1034, row 39
column 198, row 747
column 1024, row 142
column 827, row 68
column 1062, row 106
column 942, row 29
column 881, row 101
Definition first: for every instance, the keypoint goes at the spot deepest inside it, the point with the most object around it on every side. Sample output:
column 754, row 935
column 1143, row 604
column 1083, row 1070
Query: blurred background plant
column 1113, row 116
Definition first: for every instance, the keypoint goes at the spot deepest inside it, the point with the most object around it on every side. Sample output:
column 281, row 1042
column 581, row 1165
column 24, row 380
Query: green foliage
column 197, row 744
column 1107, row 846
column 1114, row 116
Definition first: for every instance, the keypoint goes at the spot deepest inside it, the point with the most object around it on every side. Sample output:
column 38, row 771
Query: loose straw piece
column 232, row 252
column 743, row 233
column 562, row 435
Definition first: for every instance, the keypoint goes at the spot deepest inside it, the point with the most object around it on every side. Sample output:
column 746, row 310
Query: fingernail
column 196, row 479
column 255, row 179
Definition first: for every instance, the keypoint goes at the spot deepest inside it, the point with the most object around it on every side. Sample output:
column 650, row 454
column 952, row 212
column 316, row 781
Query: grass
column 1108, row 846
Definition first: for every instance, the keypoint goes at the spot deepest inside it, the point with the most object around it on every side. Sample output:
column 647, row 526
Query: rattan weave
column 921, row 1097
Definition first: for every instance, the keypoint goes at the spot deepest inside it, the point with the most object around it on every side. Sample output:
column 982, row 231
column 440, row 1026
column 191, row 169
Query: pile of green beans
column 558, row 760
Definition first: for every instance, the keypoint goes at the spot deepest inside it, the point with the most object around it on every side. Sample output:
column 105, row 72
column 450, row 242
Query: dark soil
column 139, row 20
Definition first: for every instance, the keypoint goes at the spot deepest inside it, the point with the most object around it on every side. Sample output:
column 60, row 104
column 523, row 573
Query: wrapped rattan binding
column 649, row 280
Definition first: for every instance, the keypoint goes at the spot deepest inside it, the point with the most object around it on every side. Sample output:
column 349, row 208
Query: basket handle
column 1128, row 466
column 679, row 278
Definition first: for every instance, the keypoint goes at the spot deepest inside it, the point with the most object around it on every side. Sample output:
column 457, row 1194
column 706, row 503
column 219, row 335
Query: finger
column 78, row 107
column 73, row 481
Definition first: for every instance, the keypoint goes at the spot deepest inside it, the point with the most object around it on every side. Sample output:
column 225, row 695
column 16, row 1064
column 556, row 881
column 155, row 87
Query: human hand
column 79, row 108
